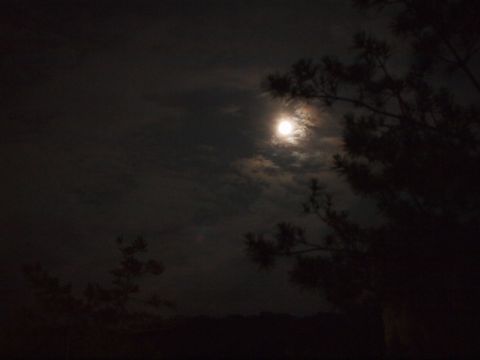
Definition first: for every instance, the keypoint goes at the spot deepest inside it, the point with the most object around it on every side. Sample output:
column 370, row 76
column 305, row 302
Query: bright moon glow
column 290, row 128
column 285, row 128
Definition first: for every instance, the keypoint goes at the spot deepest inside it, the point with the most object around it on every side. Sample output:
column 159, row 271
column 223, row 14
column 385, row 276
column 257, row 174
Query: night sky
column 148, row 118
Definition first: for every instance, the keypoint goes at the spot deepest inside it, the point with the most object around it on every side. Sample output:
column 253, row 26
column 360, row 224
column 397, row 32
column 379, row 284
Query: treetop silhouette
column 117, row 305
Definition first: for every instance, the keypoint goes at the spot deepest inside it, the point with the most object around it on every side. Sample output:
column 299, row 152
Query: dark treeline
column 267, row 335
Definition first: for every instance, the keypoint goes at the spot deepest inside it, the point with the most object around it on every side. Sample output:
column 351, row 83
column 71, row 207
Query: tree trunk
column 443, row 326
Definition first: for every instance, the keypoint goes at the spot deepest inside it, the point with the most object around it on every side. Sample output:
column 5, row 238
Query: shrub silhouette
column 121, row 305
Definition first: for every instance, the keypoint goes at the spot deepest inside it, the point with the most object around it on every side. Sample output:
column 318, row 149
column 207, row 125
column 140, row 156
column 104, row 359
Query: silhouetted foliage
column 104, row 306
column 410, row 144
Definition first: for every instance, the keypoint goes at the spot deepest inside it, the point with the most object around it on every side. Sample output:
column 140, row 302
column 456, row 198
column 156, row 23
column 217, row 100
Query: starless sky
column 147, row 118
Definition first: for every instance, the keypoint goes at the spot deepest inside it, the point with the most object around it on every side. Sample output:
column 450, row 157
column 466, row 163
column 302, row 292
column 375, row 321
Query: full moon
column 285, row 128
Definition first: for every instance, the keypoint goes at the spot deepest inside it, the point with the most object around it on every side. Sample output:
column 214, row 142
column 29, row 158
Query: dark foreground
column 266, row 335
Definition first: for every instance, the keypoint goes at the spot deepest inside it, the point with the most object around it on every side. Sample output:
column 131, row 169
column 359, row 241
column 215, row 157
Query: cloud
column 148, row 118
column 263, row 171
